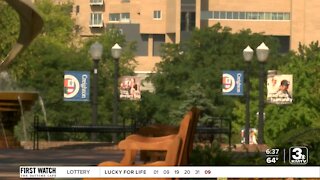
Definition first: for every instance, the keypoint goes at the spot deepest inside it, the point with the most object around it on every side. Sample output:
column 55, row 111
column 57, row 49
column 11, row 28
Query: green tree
column 304, row 112
column 41, row 68
column 9, row 25
column 197, row 65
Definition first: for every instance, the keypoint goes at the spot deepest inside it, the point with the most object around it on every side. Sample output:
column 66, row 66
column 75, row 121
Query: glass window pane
column 268, row 16
column 114, row 17
column 222, row 15
column 216, row 15
column 235, row 15
column 229, row 15
column 125, row 16
column 157, row 14
column 286, row 16
column 280, row 16
column 261, row 15
column 254, row 15
column 274, row 16
column 205, row 15
column 248, row 15
column 242, row 15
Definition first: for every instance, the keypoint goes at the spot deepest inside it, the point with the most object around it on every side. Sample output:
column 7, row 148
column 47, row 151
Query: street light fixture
column 247, row 55
column 262, row 55
column 96, row 50
column 116, row 51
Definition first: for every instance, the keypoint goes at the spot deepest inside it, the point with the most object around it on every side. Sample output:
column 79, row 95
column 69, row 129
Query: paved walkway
column 11, row 159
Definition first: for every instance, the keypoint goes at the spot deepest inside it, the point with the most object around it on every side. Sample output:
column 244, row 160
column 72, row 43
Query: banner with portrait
column 130, row 88
column 280, row 88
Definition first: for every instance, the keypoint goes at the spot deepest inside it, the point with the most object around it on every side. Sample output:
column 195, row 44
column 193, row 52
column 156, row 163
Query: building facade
column 151, row 23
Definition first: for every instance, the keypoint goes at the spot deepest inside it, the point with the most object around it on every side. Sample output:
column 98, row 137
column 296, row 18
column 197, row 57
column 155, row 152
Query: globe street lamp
column 247, row 55
column 116, row 53
column 96, row 50
column 262, row 55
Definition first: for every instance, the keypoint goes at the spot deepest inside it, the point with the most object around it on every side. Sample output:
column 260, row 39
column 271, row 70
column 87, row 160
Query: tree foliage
column 41, row 68
column 190, row 73
column 9, row 25
column 304, row 112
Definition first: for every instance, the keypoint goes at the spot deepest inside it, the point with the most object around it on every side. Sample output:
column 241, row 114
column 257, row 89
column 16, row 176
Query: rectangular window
column 268, row 16
column 96, row 20
column 229, row 15
column 156, row 14
column 205, row 15
column 125, row 17
column 286, row 16
column 254, row 15
column 274, row 16
column 222, row 15
column 114, row 17
column 96, row 2
column 235, row 15
column 242, row 15
column 216, row 15
column 280, row 16
column 261, row 15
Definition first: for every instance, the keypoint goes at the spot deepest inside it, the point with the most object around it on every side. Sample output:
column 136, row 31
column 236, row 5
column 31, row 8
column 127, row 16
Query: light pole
column 116, row 53
column 247, row 55
column 96, row 53
column 262, row 55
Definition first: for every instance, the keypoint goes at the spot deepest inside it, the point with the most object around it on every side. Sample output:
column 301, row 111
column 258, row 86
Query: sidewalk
column 11, row 159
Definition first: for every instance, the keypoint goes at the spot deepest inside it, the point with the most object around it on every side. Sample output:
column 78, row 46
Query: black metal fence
column 200, row 131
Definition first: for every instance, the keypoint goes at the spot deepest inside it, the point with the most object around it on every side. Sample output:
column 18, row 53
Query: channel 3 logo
column 298, row 155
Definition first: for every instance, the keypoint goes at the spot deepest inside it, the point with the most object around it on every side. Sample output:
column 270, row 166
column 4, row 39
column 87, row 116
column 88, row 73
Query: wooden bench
column 178, row 146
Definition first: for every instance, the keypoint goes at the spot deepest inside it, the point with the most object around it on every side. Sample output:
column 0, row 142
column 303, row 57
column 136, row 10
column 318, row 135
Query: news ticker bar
column 170, row 171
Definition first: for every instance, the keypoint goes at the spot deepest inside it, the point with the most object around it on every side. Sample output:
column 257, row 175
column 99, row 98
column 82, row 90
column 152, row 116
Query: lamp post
column 116, row 53
column 247, row 55
column 96, row 53
column 262, row 55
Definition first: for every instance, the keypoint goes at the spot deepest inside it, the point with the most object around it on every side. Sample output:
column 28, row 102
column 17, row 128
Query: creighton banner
column 76, row 86
column 232, row 83
column 279, row 89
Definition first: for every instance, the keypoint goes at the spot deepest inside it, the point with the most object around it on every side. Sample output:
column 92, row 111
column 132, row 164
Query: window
column 234, row 15
column 156, row 14
column 204, row 15
column 114, row 17
column 216, row 15
column 242, row 15
column 96, row 20
column 268, row 16
column 222, row 15
column 286, row 16
column 229, row 15
column 125, row 17
column 96, row 2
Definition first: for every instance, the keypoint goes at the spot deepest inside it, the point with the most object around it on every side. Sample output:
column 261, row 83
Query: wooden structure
column 177, row 146
column 12, row 104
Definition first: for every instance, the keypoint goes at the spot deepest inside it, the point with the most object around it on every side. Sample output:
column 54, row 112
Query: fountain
column 14, row 103
column 10, row 112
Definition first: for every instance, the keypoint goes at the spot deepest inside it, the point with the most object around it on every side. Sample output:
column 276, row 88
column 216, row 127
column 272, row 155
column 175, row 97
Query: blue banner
column 232, row 83
column 76, row 86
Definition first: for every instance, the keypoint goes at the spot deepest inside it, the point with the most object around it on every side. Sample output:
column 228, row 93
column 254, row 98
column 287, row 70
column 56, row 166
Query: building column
column 150, row 45
column 178, row 21
column 198, row 13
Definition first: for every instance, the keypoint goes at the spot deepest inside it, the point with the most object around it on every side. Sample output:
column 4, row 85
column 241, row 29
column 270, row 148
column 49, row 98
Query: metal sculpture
column 31, row 24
